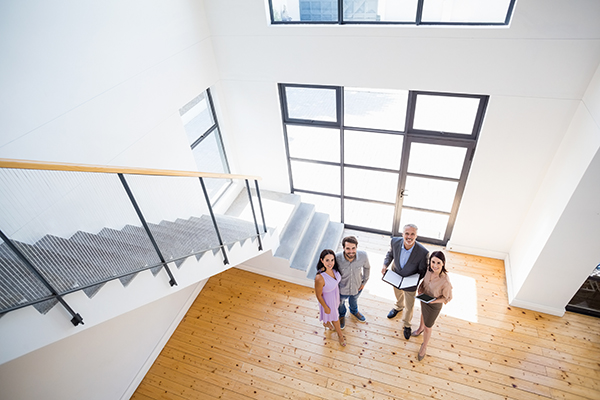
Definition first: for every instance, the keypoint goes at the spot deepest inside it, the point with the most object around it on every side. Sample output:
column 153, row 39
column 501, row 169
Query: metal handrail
column 121, row 171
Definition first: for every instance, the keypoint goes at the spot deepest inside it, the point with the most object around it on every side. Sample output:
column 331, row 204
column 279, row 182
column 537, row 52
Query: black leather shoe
column 393, row 313
column 407, row 332
column 342, row 322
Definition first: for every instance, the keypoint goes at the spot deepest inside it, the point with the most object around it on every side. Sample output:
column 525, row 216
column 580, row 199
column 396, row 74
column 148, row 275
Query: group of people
column 343, row 276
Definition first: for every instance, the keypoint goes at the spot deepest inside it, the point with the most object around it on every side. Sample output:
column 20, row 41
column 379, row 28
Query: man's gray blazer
column 417, row 262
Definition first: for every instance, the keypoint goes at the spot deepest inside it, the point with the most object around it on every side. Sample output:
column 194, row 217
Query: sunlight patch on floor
column 464, row 298
column 376, row 286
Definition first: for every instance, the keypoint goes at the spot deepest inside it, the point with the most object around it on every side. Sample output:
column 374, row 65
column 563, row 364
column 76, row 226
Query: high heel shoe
column 342, row 341
column 416, row 333
column 419, row 356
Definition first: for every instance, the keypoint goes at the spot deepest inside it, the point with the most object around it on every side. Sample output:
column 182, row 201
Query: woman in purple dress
column 328, row 292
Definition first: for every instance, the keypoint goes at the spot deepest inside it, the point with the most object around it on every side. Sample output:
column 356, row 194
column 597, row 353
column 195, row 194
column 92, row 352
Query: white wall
column 100, row 362
column 101, row 83
column 556, row 247
column 571, row 252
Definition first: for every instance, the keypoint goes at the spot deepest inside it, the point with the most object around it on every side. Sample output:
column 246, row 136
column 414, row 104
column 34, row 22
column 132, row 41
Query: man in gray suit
column 409, row 257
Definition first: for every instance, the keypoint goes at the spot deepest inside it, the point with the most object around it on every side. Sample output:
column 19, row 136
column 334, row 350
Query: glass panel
column 321, row 144
column 379, row 150
column 431, row 194
column 380, row 10
column 311, row 104
column 285, row 10
column 372, row 185
column 375, row 108
column 369, row 215
column 430, row 225
column 316, row 177
column 436, row 160
column 479, row 11
column 197, row 117
column 445, row 113
column 210, row 157
column 318, row 10
column 324, row 204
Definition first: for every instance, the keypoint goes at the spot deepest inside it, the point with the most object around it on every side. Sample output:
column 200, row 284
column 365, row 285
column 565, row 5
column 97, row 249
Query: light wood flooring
column 249, row 336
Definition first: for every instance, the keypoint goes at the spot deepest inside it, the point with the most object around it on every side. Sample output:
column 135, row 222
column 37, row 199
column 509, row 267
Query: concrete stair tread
column 278, row 208
column 330, row 240
column 290, row 239
column 310, row 242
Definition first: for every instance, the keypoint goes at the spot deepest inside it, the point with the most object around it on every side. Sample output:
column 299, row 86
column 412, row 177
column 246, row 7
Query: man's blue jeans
column 352, row 302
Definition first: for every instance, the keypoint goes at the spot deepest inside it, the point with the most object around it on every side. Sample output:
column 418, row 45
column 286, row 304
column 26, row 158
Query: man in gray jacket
column 354, row 268
column 409, row 257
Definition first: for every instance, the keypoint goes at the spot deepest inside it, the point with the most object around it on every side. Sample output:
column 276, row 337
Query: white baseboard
column 476, row 251
column 282, row 277
column 537, row 307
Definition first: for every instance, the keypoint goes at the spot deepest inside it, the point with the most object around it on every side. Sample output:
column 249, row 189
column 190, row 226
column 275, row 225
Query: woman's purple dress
column 331, row 295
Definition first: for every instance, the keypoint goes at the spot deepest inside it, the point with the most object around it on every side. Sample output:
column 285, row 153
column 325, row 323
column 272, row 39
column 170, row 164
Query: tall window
column 202, row 130
column 379, row 159
column 407, row 12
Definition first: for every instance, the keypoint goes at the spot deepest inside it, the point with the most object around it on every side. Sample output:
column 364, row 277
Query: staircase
column 89, row 261
column 304, row 232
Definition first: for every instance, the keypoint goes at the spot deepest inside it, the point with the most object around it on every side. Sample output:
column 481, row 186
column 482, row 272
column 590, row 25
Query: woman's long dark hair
column 321, row 266
column 441, row 256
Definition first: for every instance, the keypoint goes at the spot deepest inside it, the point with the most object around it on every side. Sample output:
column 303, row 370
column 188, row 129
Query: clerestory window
column 407, row 12
column 202, row 130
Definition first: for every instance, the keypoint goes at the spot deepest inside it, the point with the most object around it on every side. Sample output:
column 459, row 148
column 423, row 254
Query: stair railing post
column 214, row 220
column 77, row 319
column 262, row 213
column 254, row 215
column 172, row 281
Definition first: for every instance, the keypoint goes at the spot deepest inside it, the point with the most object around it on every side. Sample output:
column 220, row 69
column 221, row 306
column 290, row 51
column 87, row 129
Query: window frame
column 410, row 135
column 417, row 22
column 216, row 130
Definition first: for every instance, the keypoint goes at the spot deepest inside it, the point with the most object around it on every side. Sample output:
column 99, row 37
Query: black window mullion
column 439, row 178
column 204, row 136
column 419, row 13
column 330, row 163
column 283, row 103
column 340, row 117
column 216, row 127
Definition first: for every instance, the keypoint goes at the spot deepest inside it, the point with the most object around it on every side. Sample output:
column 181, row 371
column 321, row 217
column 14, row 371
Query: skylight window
column 407, row 12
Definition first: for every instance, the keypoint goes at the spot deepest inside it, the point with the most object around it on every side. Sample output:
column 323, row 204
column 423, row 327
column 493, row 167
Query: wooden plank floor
column 248, row 336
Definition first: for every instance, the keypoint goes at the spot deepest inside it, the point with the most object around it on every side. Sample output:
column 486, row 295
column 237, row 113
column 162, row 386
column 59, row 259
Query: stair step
column 85, row 258
column 138, row 257
column 278, row 208
column 309, row 244
column 18, row 284
column 331, row 239
column 97, row 264
column 295, row 230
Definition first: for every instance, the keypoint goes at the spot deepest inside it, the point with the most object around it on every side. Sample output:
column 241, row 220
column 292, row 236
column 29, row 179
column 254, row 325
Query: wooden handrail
column 51, row 166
